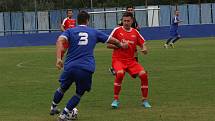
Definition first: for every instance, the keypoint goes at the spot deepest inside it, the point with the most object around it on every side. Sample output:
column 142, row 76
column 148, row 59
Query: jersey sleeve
column 66, row 35
column 64, row 21
column 102, row 37
column 114, row 32
column 140, row 39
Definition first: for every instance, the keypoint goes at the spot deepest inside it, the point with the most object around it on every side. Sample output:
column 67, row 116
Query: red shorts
column 130, row 66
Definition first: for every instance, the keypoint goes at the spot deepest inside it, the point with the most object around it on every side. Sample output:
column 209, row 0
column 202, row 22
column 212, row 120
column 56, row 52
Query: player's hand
column 138, row 28
column 144, row 51
column 59, row 63
column 124, row 45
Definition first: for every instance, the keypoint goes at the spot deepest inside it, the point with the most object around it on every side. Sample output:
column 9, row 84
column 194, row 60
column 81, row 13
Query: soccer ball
column 73, row 114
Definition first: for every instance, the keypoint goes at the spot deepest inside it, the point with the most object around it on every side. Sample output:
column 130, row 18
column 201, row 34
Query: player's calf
column 117, row 88
column 57, row 98
column 144, row 88
column 117, row 83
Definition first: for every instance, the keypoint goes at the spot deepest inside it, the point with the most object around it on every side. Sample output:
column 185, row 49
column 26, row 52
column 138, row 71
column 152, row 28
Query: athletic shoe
column 165, row 46
column 54, row 111
column 73, row 115
column 146, row 104
column 112, row 71
column 115, row 104
column 63, row 117
column 171, row 45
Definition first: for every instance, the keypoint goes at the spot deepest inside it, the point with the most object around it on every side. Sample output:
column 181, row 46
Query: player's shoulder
column 65, row 19
column 118, row 28
column 72, row 19
column 134, row 30
column 91, row 29
column 86, row 29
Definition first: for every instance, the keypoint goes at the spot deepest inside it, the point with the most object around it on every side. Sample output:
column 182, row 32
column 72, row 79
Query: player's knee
column 120, row 75
column 78, row 95
column 81, row 92
column 120, row 72
column 142, row 72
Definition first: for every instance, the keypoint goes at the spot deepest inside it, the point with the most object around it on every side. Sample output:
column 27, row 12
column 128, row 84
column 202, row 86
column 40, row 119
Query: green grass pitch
column 181, row 84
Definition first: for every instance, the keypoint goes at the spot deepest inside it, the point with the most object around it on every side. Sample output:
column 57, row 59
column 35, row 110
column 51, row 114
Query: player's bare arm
column 138, row 28
column 144, row 49
column 62, row 28
column 112, row 46
column 60, row 50
column 179, row 21
column 117, row 43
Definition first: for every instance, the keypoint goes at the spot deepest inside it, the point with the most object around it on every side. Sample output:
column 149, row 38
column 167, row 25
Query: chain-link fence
column 50, row 21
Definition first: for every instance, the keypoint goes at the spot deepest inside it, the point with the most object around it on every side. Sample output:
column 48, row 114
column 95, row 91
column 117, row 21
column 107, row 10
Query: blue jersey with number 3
column 82, row 41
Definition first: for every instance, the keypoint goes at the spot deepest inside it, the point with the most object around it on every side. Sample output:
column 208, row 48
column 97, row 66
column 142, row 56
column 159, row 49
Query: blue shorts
column 82, row 79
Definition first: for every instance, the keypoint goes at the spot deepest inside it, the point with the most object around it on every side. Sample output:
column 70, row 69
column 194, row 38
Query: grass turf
column 181, row 84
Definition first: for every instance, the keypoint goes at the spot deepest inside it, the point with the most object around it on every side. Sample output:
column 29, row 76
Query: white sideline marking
column 22, row 65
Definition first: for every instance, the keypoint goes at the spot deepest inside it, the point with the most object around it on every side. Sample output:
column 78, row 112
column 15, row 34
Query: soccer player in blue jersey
column 79, row 63
column 174, row 36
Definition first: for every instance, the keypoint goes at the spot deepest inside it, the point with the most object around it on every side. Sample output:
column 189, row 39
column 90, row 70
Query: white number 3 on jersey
column 84, row 38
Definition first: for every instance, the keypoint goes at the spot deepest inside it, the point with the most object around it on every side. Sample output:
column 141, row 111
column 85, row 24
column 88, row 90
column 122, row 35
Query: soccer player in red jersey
column 129, row 9
column 67, row 23
column 123, row 60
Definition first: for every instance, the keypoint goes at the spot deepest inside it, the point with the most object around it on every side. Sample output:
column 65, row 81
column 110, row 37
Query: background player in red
column 67, row 23
column 123, row 60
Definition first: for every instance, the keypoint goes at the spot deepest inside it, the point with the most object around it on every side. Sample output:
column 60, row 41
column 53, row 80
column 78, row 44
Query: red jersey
column 133, row 37
column 68, row 23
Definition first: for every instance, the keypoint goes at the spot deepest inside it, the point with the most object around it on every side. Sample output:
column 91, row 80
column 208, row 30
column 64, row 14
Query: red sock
column 144, row 85
column 117, row 85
